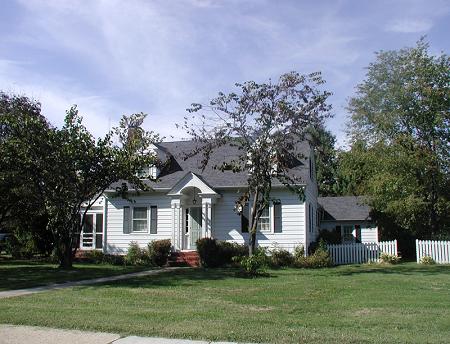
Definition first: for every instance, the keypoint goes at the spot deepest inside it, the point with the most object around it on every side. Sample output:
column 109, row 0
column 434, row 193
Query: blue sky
column 119, row 57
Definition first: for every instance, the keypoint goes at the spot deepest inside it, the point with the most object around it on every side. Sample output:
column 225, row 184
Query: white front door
column 193, row 230
column 92, row 233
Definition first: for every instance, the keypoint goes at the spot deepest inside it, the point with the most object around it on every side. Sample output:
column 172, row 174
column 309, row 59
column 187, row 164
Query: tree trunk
column 253, row 225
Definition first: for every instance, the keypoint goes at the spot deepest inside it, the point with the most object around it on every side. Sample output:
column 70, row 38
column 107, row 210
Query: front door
column 193, row 227
column 92, row 233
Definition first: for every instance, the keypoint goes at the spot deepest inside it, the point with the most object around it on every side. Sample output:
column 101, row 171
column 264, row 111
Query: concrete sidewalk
column 55, row 286
column 11, row 334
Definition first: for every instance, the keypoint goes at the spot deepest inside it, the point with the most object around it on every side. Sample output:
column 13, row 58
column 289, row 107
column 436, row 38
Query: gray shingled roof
column 179, row 166
column 344, row 208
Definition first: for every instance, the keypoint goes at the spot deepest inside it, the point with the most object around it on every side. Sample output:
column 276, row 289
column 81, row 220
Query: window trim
column 149, row 218
column 269, row 218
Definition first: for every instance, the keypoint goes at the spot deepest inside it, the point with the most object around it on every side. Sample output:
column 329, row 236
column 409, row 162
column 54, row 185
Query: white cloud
column 410, row 25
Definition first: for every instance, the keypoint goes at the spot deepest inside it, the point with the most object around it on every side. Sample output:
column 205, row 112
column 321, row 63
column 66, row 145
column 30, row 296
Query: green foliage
column 299, row 252
column 387, row 258
column 325, row 154
column 136, row 255
column 254, row 265
column 427, row 260
column 281, row 258
column 159, row 251
column 21, row 246
column 215, row 253
column 400, row 132
column 319, row 259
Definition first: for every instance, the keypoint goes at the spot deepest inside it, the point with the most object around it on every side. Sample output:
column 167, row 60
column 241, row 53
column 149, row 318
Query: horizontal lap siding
column 369, row 232
column 227, row 224
column 117, row 241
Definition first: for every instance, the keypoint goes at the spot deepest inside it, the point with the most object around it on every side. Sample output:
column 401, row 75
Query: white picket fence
column 357, row 253
column 438, row 250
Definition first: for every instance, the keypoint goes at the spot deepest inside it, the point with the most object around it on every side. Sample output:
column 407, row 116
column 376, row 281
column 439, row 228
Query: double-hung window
column 264, row 220
column 140, row 219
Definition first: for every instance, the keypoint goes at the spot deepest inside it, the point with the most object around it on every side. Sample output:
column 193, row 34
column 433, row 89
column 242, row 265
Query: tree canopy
column 400, row 134
column 266, row 121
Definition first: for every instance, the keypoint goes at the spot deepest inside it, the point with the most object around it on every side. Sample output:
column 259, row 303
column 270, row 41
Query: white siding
column 227, row 224
column 117, row 241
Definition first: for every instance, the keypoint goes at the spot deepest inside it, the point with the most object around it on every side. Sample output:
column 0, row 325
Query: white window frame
column 269, row 218
column 147, row 231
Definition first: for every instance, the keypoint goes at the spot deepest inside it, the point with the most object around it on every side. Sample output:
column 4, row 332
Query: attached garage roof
column 344, row 208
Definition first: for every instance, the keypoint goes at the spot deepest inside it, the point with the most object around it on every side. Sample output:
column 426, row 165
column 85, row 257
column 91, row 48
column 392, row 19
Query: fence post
column 417, row 251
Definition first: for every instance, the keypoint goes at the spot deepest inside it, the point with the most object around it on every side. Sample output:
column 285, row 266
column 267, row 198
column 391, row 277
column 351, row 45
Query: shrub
column 136, row 255
column 319, row 259
column 159, row 251
column 215, row 253
column 387, row 258
column 254, row 265
column 299, row 252
column 94, row 256
column 427, row 260
column 21, row 246
column 114, row 259
column 281, row 258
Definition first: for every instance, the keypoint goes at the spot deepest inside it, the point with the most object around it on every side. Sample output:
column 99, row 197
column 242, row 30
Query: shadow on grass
column 400, row 269
column 27, row 274
column 185, row 277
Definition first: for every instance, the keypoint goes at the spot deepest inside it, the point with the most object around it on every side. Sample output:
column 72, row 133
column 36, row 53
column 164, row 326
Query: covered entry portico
column 192, row 200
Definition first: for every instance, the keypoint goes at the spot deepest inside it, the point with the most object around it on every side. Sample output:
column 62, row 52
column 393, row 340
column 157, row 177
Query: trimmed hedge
column 215, row 253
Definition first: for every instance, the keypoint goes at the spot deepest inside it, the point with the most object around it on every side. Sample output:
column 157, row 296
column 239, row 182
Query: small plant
column 159, row 251
column 254, row 265
column 136, row 255
column 299, row 252
column 386, row 258
column 319, row 259
column 281, row 258
column 94, row 256
column 427, row 260
column 209, row 252
column 114, row 259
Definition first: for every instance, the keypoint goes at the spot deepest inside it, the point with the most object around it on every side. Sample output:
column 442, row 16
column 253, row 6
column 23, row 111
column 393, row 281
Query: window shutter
column 126, row 220
column 358, row 233
column 153, row 219
column 277, row 217
column 338, row 233
column 244, row 219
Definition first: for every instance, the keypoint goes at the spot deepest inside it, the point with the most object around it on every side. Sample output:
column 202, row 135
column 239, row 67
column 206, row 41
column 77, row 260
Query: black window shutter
column 277, row 217
column 126, row 220
column 153, row 219
column 358, row 233
column 244, row 219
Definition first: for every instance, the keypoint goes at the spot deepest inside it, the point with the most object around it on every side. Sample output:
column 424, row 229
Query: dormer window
column 150, row 172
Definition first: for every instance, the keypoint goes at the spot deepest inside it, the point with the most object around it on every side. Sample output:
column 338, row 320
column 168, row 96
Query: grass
column 26, row 274
column 406, row 303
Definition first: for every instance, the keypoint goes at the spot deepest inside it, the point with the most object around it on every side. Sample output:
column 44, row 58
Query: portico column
column 176, row 223
column 206, row 217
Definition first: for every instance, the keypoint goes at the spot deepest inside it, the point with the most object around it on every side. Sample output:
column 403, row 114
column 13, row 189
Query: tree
column 62, row 172
column 22, row 210
column 323, row 142
column 402, row 113
column 80, row 169
column 265, row 121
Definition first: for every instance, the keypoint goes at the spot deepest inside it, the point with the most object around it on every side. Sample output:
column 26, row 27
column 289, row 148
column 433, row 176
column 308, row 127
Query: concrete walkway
column 11, row 334
column 55, row 286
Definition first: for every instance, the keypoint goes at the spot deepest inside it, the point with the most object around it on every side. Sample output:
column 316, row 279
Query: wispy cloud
column 410, row 25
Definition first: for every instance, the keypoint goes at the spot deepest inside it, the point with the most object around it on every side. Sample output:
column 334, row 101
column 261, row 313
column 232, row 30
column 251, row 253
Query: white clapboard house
column 186, row 204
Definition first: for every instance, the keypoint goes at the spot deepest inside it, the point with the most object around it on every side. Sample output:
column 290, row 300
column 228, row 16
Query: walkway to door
column 56, row 286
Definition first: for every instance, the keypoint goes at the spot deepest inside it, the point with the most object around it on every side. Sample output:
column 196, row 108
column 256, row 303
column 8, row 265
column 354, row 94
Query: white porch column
column 206, row 218
column 177, row 224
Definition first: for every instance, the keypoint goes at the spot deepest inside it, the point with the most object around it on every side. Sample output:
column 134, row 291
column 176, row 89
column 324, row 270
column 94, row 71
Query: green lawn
column 24, row 274
column 348, row 304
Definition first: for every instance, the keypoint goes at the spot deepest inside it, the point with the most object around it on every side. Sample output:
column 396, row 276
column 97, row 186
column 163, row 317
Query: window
column 140, row 219
column 153, row 219
column 347, row 234
column 264, row 220
column 244, row 219
column 277, row 221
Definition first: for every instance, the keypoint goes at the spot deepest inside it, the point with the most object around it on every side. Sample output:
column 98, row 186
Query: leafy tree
column 325, row 155
column 22, row 210
column 66, row 170
column 265, row 121
column 80, row 169
column 399, row 125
